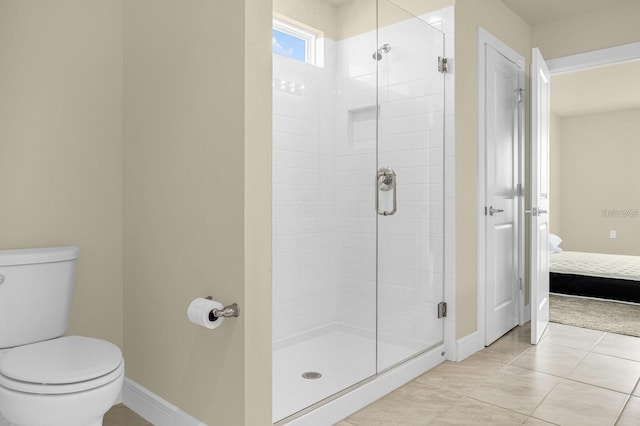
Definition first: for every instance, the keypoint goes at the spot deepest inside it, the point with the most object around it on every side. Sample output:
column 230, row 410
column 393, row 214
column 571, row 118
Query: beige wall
column 359, row 16
column 353, row 17
column 500, row 21
column 61, row 145
column 197, row 215
column 610, row 27
column 257, row 213
column 599, row 171
column 318, row 14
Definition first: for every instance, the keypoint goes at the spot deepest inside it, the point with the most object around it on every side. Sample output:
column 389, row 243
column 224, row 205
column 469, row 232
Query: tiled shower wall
column 304, row 193
column 324, row 174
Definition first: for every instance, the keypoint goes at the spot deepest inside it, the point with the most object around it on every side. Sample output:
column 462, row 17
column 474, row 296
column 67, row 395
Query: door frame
column 486, row 38
column 595, row 58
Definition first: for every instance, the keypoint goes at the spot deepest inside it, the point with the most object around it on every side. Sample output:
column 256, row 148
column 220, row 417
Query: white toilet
column 45, row 379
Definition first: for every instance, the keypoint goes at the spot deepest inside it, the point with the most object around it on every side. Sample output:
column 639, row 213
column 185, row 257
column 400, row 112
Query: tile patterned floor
column 573, row 377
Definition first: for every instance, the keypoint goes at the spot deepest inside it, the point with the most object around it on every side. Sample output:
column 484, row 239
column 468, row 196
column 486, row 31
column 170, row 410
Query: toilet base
column 97, row 423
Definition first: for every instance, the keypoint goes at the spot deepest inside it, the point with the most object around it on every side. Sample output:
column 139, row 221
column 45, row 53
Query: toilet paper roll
column 198, row 312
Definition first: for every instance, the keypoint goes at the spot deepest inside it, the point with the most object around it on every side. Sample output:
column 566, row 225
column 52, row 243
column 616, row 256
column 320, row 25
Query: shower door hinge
column 443, row 66
column 519, row 190
column 442, row 309
column 520, row 95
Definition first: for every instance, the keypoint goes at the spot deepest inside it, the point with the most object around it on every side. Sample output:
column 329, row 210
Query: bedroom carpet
column 613, row 317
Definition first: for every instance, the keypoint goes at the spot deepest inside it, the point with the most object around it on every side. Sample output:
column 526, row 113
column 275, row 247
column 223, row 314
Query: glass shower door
column 410, row 184
column 357, row 199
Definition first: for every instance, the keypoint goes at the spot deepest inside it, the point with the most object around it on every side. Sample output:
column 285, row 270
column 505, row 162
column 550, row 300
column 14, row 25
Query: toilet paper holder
column 232, row 310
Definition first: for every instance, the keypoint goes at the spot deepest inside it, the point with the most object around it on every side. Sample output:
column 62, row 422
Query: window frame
column 310, row 38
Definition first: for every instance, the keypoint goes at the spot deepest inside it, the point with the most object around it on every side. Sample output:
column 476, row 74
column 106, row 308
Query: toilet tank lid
column 38, row 255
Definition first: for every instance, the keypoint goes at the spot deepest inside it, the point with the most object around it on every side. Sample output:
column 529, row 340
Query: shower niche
column 356, row 287
column 362, row 127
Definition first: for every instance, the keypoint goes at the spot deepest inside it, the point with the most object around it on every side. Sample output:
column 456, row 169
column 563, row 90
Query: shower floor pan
column 343, row 357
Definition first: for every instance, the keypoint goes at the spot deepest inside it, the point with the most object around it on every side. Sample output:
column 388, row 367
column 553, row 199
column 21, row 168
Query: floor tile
column 461, row 377
column 532, row 421
column 516, row 389
column 504, row 350
column 121, row 415
column 573, row 403
column 606, row 371
column 574, row 337
column 631, row 414
column 618, row 345
column 550, row 359
column 413, row 404
column 512, row 382
column 470, row 411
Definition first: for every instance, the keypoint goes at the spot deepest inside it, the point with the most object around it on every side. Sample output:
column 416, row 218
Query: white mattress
column 596, row 265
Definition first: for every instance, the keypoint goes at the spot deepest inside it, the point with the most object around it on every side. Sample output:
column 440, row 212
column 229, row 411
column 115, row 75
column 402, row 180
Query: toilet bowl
column 68, row 381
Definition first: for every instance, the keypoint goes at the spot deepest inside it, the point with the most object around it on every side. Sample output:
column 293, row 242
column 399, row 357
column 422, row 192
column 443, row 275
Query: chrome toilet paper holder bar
column 232, row 310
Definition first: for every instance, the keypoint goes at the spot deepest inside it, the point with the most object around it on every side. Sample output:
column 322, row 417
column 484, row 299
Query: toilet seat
column 60, row 366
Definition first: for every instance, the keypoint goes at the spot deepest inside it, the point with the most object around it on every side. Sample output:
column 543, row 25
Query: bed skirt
column 588, row 286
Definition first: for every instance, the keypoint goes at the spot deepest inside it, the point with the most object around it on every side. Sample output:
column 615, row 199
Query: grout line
column 624, row 406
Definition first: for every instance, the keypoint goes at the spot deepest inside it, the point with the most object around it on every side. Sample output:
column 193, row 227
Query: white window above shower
column 297, row 41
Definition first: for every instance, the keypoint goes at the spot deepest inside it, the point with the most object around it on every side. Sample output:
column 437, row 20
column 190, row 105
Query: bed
column 605, row 276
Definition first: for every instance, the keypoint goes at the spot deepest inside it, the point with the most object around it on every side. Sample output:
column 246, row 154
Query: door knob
column 493, row 211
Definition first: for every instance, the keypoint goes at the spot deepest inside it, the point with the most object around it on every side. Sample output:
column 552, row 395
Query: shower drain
column 311, row 375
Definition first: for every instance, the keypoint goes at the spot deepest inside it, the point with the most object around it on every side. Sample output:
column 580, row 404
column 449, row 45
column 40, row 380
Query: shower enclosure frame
column 383, row 381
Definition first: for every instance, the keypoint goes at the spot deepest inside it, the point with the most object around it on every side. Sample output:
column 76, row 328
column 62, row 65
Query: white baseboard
column 467, row 346
column 153, row 408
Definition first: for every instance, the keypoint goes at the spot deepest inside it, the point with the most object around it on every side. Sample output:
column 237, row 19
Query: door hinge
column 443, row 65
column 520, row 95
column 520, row 283
column 442, row 309
column 519, row 190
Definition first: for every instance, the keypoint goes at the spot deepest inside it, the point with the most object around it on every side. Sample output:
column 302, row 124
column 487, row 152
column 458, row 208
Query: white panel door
column 539, row 249
column 501, row 179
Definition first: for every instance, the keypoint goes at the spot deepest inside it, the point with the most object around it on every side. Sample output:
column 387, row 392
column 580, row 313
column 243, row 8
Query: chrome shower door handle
column 386, row 180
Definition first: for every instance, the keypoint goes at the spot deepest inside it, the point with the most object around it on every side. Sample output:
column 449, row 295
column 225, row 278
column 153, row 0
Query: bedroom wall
column 555, row 167
column 598, row 182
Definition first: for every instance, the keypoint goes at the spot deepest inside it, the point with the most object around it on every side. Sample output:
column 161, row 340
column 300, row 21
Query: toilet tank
column 36, row 287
